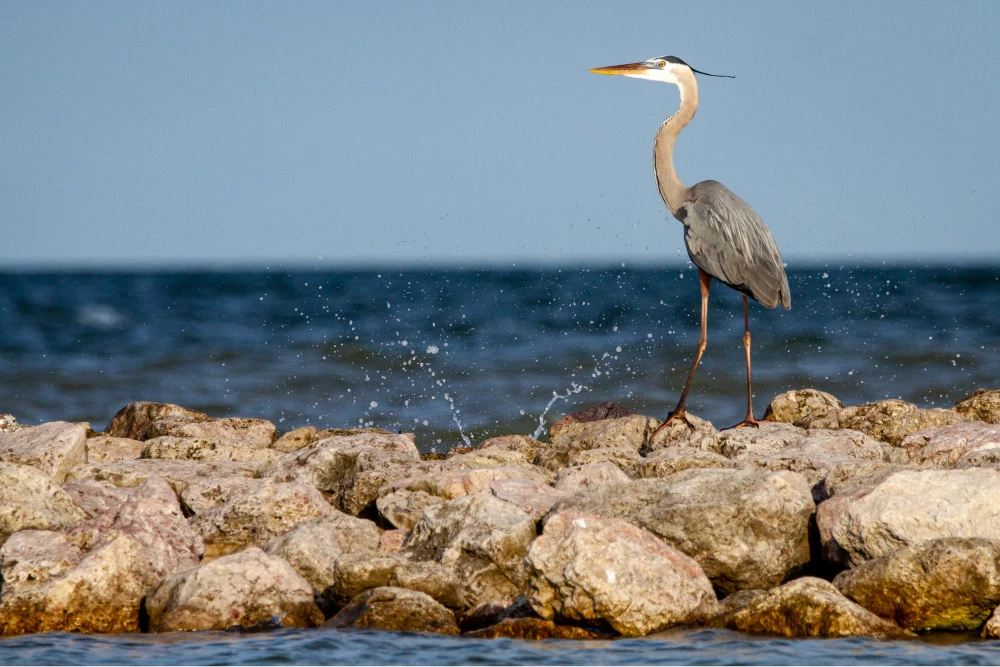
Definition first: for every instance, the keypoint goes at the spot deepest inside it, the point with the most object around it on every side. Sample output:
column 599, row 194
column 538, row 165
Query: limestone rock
column 54, row 448
column 768, row 438
column 586, row 567
column 107, row 448
column 256, row 514
column 296, row 439
column 915, row 506
column 359, row 572
column 575, row 478
column 951, row 583
column 534, row 498
column 599, row 412
column 233, row 431
column 628, row 460
column 482, row 539
column 807, row 607
column 630, row 432
column 31, row 499
column 248, row 589
column 132, row 420
column 96, row 498
column 668, row 460
column 799, row 406
column 945, row 446
column 981, row 405
column 699, row 434
column 404, row 508
column 528, row 446
column 398, row 610
column 747, row 529
column 204, row 449
column 8, row 424
column 179, row 474
column 34, row 557
column 202, row 494
column 535, row 629
column 391, row 541
column 890, row 420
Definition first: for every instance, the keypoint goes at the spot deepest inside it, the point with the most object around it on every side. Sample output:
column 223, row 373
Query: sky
column 466, row 133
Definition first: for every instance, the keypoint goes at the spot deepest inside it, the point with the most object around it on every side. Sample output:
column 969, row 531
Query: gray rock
column 132, row 420
column 105, row 448
column 247, row 589
column 586, row 567
column 54, row 448
column 396, row 609
column 951, row 583
column 981, row 405
column 800, row 406
column 233, row 431
column 31, row 499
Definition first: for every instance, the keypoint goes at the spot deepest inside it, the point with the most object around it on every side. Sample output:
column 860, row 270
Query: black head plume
column 678, row 61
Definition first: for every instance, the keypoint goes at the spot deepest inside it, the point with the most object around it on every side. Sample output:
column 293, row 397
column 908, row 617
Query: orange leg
column 706, row 282
column 749, row 421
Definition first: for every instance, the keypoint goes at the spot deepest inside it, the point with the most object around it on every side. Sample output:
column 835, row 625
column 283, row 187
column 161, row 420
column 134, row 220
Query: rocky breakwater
column 876, row 520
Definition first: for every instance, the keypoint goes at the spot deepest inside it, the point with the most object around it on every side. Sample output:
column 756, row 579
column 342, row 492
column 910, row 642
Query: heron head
column 669, row 69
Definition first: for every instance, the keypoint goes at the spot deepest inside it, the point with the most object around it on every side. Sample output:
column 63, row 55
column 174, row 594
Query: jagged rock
column 628, row 460
column 530, row 447
column 349, row 469
column 492, row 457
column 980, row 458
column 599, row 412
column 800, row 406
column 395, row 609
column 696, row 433
column 314, row 547
column 296, row 439
column 951, row 583
column 204, row 449
column 232, row 431
column 34, row 557
column 769, row 438
column 747, row 529
column 945, row 446
column 404, row 508
column 575, row 478
column 54, row 448
column 359, row 572
column 247, row 589
column 132, row 420
column 536, row 629
column 31, row 499
column 630, row 432
column 914, row 506
column 534, row 498
column 669, row 460
column 890, row 420
column 257, row 513
column 982, row 405
column 105, row 448
column 391, row 541
column 586, row 567
column 482, row 539
column 179, row 474
column 96, row 498
column 8, row 424
column 807, row 607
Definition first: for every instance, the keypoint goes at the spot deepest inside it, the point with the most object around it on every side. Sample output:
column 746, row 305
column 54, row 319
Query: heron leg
column 705, row 281
column 749, row 421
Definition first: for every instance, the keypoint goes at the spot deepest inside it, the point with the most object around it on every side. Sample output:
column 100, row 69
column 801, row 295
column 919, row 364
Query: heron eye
column 663, row 63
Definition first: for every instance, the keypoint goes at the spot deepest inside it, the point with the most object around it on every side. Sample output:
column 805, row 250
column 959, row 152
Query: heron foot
column 673, row 417
column 750, row 422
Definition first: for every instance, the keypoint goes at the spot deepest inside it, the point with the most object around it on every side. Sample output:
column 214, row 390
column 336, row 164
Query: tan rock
column 54, row 448
column 359, row 572
column 398, row 610
column 945, row 446
column 669, row 460
column 8, row 424
column 951, row 583
column 132, row 420
column 202, row 494
column 179, row 474
column 391, row 541
column 34, row 557
column 890, row 420
column 107, row 448
column 628, row 460
column 981, row 405
column 204, row 449
column 247, row 589
column 404, row 508
column 586, row 567
column 534, row 498
column 695, row 433
column 769, row 438
column 575, row 478
column 535, row 629
column 233, row 431
column 30, row 499
column 528, row 446
column 992, row 628
column 96, row 498
column 630, row 432
column 800, row 406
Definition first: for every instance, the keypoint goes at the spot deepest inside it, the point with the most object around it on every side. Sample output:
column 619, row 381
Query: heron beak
column 631, row 68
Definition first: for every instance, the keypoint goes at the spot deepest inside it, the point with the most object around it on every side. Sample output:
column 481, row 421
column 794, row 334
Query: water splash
column 454, row 416
column 574, row 389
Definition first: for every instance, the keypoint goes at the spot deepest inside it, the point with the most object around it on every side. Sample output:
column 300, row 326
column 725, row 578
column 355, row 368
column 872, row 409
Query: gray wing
column 728, row 240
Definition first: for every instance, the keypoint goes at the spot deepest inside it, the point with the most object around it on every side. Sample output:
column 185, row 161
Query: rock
column 828, row 513
column 945, row 446
column 699, row 434
column 530, row 447
column 629, row 432
column 395, row 609
column 599, row 412
column 575, row 478
column 359, row 572
column 768, row 438
column 482, row 539
column 890, row 420
column 8, row 424
column 668, row 460
column 491, row 457
column 627, row 460
column 534, row 498
column 204, row 449
column 747, row 529
column 129, row 474
column 847, row 476
column 981, row 405
column 535, row 629
column 951, row 583
column 799, row 407
column 586, row 567
column 992, row 628
column 391, row 541
column 96, row 498
column 314, row 547
column 54, row 448
column 914, row 506
column 256, row 514
column 807, row 607
column 31, row 499
column 107, row 449
column 34, row 557
column 296, row 439
column 132, row 420
column 247, row 589
column 233, row 431
column 404, row 508
column 349, row 469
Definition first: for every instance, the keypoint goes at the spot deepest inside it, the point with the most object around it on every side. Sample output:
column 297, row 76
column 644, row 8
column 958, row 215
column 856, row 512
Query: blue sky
column 342, row 133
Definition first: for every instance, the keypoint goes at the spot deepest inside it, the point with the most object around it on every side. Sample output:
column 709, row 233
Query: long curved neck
column 674, row 192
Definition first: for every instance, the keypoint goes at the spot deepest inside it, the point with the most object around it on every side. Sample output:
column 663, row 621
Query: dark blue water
column 429, row 350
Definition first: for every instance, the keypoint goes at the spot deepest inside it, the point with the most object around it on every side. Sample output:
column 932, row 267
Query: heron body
column 724, row 236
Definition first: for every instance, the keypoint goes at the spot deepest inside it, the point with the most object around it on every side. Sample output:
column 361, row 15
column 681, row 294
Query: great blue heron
column 725, row 238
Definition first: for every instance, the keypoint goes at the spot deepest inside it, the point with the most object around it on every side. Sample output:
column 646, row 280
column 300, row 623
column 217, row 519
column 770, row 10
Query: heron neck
column 674, row 192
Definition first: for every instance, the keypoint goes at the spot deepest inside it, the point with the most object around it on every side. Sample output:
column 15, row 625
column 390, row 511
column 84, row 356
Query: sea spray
column 574, row 389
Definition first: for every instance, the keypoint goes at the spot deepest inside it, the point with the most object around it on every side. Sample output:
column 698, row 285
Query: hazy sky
column 252, row 132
